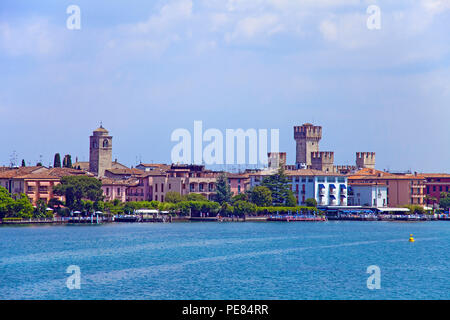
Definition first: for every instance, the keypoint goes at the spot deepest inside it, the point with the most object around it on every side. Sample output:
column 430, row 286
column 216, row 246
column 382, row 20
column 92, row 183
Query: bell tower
column 100, row 151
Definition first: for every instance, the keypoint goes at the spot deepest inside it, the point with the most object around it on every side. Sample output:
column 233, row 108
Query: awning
column 332, row 196
column 321, row 186
column 343, row 186
column 393, row 209
column 332, row 186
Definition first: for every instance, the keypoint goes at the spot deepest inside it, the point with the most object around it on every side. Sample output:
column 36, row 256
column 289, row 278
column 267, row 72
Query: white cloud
column 35, row 37
column 250, row 27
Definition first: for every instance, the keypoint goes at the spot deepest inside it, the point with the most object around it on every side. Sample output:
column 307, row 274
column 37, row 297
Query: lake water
column 211, row 260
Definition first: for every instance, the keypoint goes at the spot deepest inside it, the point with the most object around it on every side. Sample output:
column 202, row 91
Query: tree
column 23, row 163
column 242, row 208
column 240, row 196
column 291, row 200
column 76, row 188
column 311, row 202
column 23, row 207
column 445, row 202
column 261, row 196
column 278, row 184
column 173, row 197
column 39, row 164
column 67, row 161
column 41, row 209
column 195, row 197
column 223, row 192
column 6, row 202
column 57, row 161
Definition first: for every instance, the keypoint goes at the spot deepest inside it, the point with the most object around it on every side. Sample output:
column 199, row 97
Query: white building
column 329, row 189
column 368, row 194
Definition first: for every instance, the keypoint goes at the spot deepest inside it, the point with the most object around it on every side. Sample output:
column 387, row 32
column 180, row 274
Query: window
column 310, row 179
column 105, row 143
column 239, row 189
column 321, row 179
column 162, row 198
column 156, row 188
column 107, row 191
column 440, row 188
column 118, row 191
column 170, row 186
column 341, row 179
column 434, row 188
column 162, row 187
column 303, row 179
column 156, row 198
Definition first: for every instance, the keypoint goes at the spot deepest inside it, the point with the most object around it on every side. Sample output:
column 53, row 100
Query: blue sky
column 146, row 68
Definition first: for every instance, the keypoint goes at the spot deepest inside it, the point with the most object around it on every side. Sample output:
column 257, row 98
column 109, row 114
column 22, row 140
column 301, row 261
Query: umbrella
column 49, row 209
column 98, row 212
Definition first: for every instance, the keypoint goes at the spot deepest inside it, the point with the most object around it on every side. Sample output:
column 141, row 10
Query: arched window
column 105, row 143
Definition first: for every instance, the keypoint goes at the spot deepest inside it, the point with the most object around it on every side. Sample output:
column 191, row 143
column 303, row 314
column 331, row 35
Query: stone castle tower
column 307, row 139
column 100, row 151
column 276, row 159
column 323, row 161
column 365, row 160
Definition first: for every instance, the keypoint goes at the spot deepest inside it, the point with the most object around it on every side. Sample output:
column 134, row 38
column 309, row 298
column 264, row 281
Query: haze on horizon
column 147, row 68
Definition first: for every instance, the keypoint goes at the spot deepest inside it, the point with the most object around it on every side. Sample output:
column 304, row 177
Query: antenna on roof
column 101, row 124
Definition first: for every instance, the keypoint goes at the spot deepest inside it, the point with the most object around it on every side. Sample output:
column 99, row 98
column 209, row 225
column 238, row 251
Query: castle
column 308, row 156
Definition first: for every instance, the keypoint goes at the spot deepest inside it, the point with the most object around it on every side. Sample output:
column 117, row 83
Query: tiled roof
column 127, row 182
column 133, row 171
column 311, row 172
column 436, row 175
column 14, row 172
column 373, row 174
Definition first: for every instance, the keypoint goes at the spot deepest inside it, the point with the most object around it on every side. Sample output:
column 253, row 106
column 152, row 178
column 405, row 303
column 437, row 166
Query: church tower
column 100, row 151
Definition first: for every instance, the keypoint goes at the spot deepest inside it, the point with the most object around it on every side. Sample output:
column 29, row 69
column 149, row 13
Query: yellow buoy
column 411, row 239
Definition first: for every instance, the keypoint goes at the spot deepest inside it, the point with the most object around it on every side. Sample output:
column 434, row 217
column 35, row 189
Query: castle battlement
column 309, row 131
column 365, row 160
column 322, row 155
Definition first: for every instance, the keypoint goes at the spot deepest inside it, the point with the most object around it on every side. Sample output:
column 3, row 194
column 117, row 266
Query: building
column 328, row 189
column 365, row 160
column 436, row 184
column 100, row 151
column 276, row 159
column 402, row 188
column 367, row 194
column 307, row 138
column 36, row 182
column 116, row 189
column 122, row 174
column 152, row 166
column 323, row 161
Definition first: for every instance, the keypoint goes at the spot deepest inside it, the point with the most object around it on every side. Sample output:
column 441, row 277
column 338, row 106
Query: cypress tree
column 223, row 192
column 23, row 163
column 57, row 161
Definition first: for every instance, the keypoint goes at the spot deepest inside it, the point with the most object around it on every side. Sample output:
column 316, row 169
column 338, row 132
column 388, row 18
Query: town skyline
column 231, row 64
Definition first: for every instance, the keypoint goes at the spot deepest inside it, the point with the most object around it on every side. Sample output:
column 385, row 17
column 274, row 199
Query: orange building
column 402, row 189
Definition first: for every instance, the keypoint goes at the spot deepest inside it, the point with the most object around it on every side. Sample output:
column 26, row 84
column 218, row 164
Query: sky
column 146, row 68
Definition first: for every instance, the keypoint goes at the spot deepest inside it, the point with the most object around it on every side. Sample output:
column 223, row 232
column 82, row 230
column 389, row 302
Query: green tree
column 278, row 184
column 242, row 208
column 41, row 209
column 445, row 202
column 23, row 207
column 6, row 203
column 67, row 161
column 99, row 205
column 261, row 196
column 240, row 196
column 23, row 163
column 291, row 200
column 173, row 197
column 76, row 188
column 195, row 197
column 311, row 202
column 57, row 161
column 223, row 192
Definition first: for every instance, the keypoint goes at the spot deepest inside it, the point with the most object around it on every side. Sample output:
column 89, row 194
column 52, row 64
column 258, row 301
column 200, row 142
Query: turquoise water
column 227, row 260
